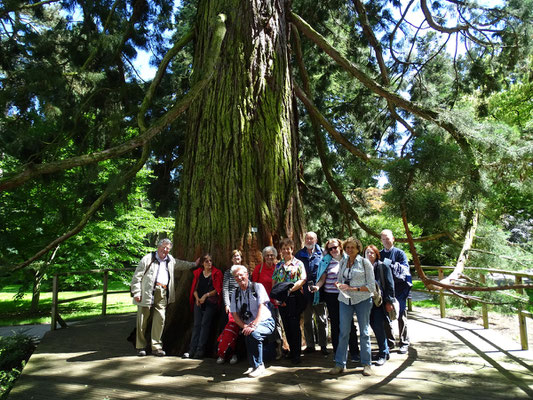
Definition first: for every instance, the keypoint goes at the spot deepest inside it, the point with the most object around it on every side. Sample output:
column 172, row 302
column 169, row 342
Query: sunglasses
column 333, row 248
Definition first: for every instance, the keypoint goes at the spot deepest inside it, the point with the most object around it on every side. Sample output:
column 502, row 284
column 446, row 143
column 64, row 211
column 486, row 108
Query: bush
column 14, row 353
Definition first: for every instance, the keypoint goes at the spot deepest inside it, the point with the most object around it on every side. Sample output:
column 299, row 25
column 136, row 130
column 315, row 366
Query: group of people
column 339, row 281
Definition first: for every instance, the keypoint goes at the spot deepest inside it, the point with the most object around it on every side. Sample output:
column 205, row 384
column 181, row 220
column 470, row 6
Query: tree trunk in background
column 240, row 170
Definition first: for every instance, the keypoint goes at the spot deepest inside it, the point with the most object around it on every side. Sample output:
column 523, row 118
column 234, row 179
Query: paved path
column 448, row 360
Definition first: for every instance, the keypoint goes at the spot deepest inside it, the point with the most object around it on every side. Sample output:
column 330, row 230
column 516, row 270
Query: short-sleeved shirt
column 291, row 271
column 254, row 295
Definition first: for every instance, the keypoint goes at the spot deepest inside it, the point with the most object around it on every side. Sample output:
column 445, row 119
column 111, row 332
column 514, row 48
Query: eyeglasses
column 333, row 248
column 269, row 255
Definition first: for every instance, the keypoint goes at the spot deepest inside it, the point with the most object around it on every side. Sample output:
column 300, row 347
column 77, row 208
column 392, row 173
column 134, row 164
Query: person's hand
column 137, row 299
column 198, row 302
column 248, row 329
column 202, row 299
column 313, row 288
column 343, row 286
column 388, row 307
column 227, row 309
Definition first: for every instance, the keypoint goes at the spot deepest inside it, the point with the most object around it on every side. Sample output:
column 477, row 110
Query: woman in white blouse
column 355, row 282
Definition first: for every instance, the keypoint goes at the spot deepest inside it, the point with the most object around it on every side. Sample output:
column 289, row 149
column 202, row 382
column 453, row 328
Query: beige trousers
column 158, row 320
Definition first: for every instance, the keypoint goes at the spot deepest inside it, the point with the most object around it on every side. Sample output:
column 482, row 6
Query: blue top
column 311, row 265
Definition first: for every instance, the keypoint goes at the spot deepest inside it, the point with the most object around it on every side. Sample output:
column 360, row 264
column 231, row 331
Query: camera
column 347, row 282
column 244, row 314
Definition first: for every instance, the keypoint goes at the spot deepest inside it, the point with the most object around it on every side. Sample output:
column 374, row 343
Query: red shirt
column 263, row 274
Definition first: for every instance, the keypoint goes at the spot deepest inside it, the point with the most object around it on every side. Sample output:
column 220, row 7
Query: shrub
column 14, row 353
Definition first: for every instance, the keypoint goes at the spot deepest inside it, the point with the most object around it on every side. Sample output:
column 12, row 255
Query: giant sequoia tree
column 219, row 123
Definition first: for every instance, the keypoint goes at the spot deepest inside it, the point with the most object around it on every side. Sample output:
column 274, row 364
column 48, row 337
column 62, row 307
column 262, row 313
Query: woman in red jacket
column 205, row 300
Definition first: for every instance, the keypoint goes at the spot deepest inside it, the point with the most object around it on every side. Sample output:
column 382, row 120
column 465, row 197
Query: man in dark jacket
column 396, row 260
column 311, row 255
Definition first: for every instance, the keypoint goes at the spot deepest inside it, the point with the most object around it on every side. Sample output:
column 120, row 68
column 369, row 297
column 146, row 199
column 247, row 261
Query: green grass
column 17, row 311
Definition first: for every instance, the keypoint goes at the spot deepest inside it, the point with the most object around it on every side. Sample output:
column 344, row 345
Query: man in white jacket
column 152, row 287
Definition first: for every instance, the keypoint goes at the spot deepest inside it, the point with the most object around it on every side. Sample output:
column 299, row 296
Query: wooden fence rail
column 56, row 318
column 519, row 277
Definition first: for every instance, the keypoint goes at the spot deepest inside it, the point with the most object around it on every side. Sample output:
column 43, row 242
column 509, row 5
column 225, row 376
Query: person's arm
column 370, row 280
column 181, row 265
column 136, row 280
column 319, row 284
column 225, row 290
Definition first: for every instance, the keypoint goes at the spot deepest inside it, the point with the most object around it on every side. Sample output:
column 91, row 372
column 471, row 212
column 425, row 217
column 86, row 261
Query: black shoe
column 356, row 358
column 296, row 360
column 309, row 350
column 199, row 355
column 324, row 350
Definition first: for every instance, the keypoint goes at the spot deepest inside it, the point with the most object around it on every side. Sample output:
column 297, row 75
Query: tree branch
column 114, row 185
column 32, row 171
column 431, row 22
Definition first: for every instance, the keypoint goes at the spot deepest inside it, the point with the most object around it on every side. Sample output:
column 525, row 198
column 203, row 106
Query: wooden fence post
column 104, row 294
column 442, row 299
column 484, row 309
column 521, row 318
column 55, row 287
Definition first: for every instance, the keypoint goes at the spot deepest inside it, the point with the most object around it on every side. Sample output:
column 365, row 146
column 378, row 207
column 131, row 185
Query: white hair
column 387, row 232
column 272, row 249
column 312, row 234
column 237, row 268
column 164, row 241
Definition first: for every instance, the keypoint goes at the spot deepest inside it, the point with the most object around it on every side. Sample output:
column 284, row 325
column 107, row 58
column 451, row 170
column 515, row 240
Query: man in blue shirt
column 311, row 255
column 396, row 259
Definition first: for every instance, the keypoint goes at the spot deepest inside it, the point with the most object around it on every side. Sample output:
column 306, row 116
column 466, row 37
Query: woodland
column 265, row 119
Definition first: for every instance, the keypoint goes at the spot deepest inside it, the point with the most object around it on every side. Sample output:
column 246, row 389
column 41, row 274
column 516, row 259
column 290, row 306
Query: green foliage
column 14, row 353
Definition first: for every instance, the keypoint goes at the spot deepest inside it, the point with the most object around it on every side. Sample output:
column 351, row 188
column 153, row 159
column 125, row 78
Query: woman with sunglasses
column 327, row 291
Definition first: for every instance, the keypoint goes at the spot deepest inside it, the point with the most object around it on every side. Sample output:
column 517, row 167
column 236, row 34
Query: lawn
column 17, row 311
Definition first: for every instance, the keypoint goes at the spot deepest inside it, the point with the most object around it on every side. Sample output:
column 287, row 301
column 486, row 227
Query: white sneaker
column 220, row 360
column 249, row 370
column 257, row 372
column 233, row 359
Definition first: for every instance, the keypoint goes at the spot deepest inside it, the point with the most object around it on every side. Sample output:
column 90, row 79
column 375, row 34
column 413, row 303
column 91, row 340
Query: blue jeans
column 362, row 311
column 377, row 321
column 202, row 325
column 254, row 341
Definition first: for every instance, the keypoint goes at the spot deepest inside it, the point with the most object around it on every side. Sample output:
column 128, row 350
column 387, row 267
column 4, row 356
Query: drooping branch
column 378, row 89
column 319, row 118
column 113, row 186
column 32, row 171
column 433, row 284
column 374, row 42
column 159, row 76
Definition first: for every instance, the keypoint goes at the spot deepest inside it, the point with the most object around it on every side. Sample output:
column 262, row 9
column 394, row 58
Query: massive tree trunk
column 240, row 170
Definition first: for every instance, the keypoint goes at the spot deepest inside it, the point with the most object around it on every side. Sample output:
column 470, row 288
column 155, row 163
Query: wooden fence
column 518, row 279
column 56, row 318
